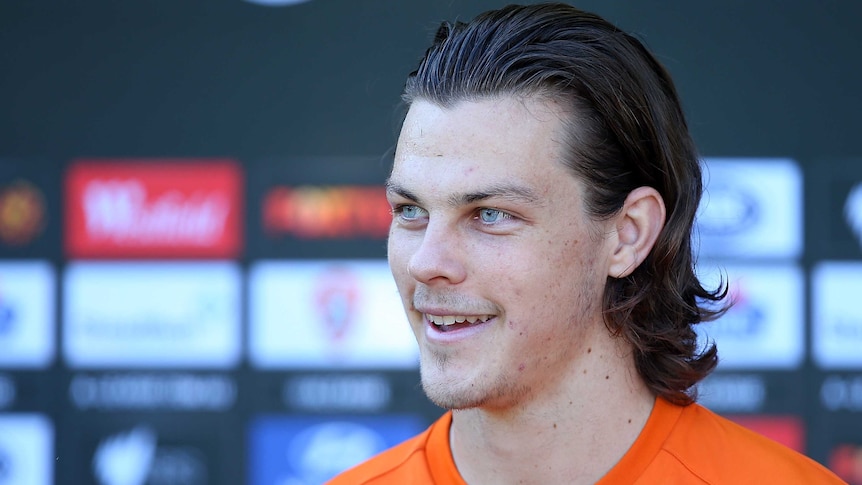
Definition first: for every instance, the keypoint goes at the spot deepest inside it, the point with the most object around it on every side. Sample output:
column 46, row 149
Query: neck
column 573, row 431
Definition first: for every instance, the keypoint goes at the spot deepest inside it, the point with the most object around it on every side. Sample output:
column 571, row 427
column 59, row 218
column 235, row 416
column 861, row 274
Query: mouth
column 449, row 323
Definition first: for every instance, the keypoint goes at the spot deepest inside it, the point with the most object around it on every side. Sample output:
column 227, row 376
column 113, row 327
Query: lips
column 446, row 323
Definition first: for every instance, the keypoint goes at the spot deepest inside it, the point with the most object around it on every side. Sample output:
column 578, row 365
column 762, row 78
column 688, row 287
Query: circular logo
column 22, row 213
column 337, row 294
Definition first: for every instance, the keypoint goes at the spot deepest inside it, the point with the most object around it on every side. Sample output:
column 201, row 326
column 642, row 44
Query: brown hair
column 628, row 130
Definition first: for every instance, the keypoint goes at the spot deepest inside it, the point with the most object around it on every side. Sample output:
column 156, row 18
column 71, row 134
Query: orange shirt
column 678, row 445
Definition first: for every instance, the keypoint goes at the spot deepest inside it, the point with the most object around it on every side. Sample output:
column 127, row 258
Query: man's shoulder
column 713, row 448
column 406, row 462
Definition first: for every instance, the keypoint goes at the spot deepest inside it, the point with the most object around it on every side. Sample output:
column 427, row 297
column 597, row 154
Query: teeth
column 452, row 319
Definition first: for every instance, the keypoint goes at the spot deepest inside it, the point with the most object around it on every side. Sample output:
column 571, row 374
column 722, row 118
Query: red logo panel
column 846, row 461
column 787, row 430
column 327, row 212
column 153, row 208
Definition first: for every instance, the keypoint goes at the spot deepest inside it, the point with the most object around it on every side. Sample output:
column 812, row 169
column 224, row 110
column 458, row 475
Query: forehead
column 500, row 138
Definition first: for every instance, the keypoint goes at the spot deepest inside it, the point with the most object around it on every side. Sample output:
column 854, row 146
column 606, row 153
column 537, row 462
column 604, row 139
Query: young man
column 543, row 194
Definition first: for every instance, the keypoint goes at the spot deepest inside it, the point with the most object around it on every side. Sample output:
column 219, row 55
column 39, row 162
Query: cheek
column 398, row 253
column 568, row 271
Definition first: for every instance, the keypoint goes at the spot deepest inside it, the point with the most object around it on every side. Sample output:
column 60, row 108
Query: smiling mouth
column 447, row 323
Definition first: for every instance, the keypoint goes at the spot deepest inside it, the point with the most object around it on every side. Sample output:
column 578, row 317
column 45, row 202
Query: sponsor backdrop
column 193, row 284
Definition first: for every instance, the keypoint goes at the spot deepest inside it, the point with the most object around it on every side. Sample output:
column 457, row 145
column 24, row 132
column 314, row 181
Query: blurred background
column 193, row 285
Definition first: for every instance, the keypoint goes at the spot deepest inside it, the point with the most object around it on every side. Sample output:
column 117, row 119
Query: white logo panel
column 27, row 307
column 836, row 331
column 162, row 314
column 751, row 208
column 26, row 449
column 765, row 327
column 327, row 314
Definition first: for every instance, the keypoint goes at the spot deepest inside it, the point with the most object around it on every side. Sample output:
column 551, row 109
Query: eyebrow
column 510, row 192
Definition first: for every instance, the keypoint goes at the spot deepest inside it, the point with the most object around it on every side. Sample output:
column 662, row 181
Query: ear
column 638, row 225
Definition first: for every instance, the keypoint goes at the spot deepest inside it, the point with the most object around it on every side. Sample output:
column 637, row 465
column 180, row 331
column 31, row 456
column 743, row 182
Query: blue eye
column 490, row 216
column 408, row 212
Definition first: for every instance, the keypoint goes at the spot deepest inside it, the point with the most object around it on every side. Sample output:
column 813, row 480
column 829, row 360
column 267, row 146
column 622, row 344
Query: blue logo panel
column 309, row 450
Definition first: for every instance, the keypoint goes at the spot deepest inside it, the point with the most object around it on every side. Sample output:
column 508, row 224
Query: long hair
column 627, row 130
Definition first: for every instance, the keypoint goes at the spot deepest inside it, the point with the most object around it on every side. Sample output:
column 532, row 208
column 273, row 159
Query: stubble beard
column 448, row 393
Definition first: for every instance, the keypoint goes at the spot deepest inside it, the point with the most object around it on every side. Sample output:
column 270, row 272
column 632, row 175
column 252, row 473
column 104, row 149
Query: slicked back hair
column 627, row 130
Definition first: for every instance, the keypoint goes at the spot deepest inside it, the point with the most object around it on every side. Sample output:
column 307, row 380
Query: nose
column 439, row 257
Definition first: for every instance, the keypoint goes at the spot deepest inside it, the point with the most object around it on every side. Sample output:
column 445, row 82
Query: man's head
column 609, row 116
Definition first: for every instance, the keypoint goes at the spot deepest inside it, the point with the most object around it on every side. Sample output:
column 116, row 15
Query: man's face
column 489, row 232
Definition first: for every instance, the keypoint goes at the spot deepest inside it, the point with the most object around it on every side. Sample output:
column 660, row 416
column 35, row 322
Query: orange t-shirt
column 678, row 445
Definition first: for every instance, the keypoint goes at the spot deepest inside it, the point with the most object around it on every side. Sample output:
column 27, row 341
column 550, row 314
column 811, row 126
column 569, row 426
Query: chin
column 450, row 390
column 449, row 399
column 447, row 390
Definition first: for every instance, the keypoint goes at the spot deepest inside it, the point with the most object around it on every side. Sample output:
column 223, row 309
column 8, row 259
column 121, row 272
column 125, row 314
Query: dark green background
column 226, row 78
column 229, row 78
